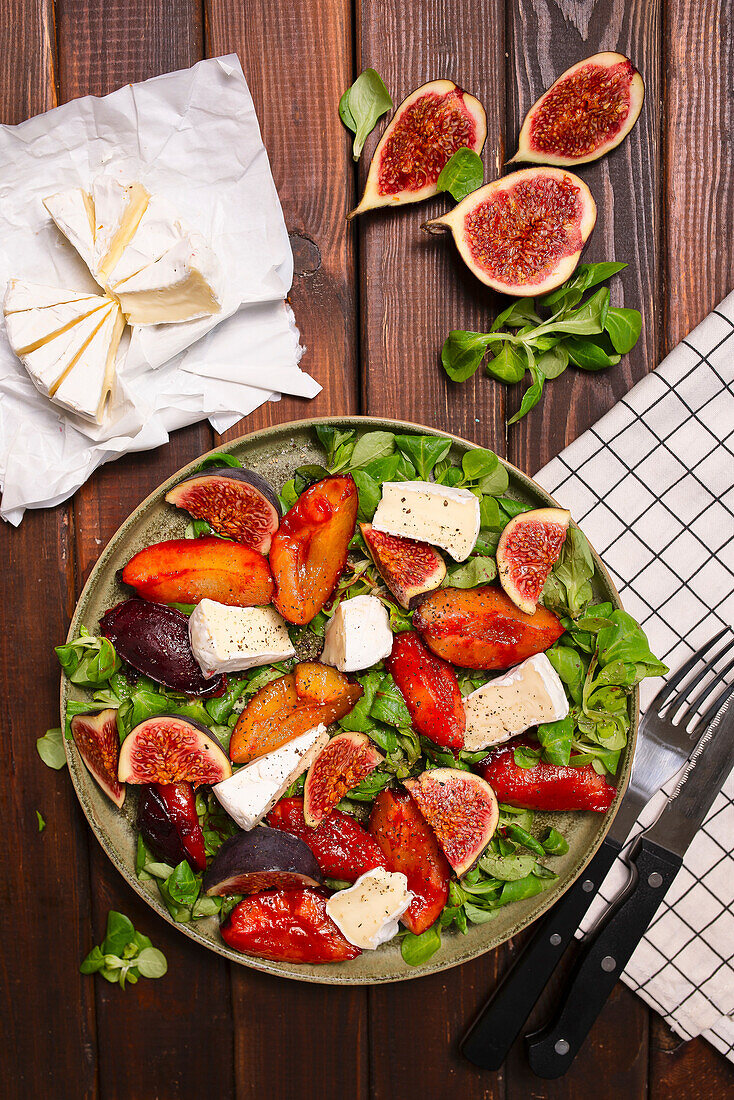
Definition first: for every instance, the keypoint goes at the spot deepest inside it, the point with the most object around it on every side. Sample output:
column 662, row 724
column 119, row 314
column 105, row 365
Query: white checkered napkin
column 652, row 485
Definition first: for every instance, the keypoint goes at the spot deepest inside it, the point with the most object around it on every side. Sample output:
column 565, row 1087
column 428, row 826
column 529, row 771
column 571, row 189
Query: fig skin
column 510, row 197
column 604, row 75
column 476, row 132
column 409, row 568
column 154, row 640
column 246, row 490
column 264, row 859
column 528, row 548
column 342, row 764
column 170, row 749
column 462, row 810
column 96, row 737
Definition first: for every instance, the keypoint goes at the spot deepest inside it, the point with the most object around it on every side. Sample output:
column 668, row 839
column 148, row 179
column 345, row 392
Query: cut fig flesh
column 587, row 112
column 529, row 547
column 408, row 568
column 428, row 127
column 96, row 737
column 237, row 503
column 341, row 765
column 154, row 640
column 264, row 859
column 169, row 824
column 522, row 234
column 170, row 749
column 461, row 809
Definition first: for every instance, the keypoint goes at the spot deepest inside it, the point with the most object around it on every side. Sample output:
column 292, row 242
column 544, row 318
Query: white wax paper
column 193, row 138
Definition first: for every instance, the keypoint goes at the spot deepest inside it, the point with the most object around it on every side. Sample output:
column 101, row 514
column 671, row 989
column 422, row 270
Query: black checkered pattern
column 652, row 485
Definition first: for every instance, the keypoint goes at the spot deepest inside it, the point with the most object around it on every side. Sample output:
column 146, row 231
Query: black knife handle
column 600, row 963
column 488, row 1040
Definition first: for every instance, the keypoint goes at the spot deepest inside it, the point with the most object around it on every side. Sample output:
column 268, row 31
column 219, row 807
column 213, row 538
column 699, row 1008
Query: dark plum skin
column 236, row 519
column 168, row 824
column 263, row 859
column 154, row 639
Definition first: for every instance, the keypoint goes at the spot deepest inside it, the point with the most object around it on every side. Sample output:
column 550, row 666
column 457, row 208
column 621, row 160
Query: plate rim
column 270, row 966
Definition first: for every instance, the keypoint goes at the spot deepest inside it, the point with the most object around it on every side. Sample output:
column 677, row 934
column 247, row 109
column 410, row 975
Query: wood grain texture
column 287, row 1034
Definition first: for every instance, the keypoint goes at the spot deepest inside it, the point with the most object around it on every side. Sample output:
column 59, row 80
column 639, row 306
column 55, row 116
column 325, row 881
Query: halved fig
column 264, row 859
column 482, row 628
column 428, row 127
column 344, row 849
column 342, row 764
column 527, row 550
column 288, row 926
column 408, row 568
column 410, row 847
column 96, row 737
column 189, row 570
column 237, row 503
column 277, row 713
column 170, row 749
column 587, row 112
column 309, row 550
column 169, row 824
column 430, row 689
column 154, row 640
column 461, row 809
column 524, row 233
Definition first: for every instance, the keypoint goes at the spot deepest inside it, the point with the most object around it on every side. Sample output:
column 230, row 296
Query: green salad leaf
column 462, row 173
column 362, row 105
column 124, row 955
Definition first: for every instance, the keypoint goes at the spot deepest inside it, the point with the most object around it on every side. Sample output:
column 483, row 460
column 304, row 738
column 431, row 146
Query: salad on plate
column 343, row 706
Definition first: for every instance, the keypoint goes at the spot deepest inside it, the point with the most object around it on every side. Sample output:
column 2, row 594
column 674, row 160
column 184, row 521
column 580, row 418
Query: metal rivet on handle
column 555, row 939
column 587, row 885
column 655, row 880
column 562, row 1046
column 608, row 964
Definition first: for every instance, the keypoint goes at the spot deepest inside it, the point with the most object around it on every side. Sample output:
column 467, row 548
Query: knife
column 660, row 753
column 655, row 859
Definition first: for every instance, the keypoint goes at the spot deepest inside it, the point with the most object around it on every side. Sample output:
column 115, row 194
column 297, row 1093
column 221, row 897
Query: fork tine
column 711, row 712
column 669, row 687
column 705, row 692
column 684, row 695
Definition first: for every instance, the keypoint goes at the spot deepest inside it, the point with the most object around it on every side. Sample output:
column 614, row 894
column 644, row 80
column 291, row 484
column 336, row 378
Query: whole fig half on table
column 154, row 639
column 587, row 112
column 427, row 129
column 237, row 503
column 264, row 859
column 522, row 234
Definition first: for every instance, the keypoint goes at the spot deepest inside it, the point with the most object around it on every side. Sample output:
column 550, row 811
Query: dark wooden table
column 374, row 301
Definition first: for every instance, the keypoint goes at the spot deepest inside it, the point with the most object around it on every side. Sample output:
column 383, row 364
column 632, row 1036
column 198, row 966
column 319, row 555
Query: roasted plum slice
column 462, row 810
column 430, row 689
column 409, row 568
column 170, row 749
column 309, row 550
column 482, row 628
column 341, row 765
column 287, row 926
column 344, row 849
column 264, row 859
column 189, row 570
column 154, row 640
column 96, row 737
column 169, row 824
column 237, row 503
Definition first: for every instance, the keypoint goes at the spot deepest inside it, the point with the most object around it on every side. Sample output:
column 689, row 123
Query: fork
column 664, row 743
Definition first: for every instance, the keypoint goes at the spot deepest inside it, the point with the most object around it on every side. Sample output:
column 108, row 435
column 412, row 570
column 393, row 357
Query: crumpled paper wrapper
column 193, row 138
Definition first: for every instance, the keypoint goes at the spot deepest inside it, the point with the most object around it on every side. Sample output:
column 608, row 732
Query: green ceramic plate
column 275, row 453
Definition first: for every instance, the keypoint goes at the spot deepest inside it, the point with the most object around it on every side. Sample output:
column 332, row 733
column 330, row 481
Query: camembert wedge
column 28, row 329
column 73, row 212
column 180, row 286
column 49, row 364
column 528, row 694
column 118, row 209
column 86, row 387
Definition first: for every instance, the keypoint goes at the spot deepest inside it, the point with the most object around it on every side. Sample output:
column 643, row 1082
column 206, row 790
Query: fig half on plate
column 237, row 503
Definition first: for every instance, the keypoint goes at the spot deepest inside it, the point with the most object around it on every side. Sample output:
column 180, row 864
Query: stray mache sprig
column 124, row 955
column 545, row 335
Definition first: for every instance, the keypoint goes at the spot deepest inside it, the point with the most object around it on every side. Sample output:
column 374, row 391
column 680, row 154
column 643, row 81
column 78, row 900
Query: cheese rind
column 367, row 914
column 358, row 634
column 21, row 296
column 86, row 387
column 118, row 209
column 30, row 328
column 530, row 693
column 73, row 212
column 439, row 514
column 49, row 364
column 230, row 639
column 249, row 793
column 180, row 286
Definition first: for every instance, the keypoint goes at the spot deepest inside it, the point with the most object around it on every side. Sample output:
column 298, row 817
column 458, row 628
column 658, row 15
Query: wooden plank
column 292, row 1038
column 141, row 1033
column 698, row 60
column 44, row 886
column 414, row 290
column 543, row 40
